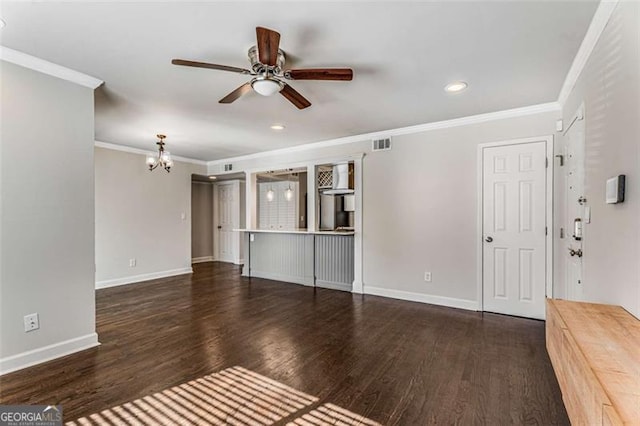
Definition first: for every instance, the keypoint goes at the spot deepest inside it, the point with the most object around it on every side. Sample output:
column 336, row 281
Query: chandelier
column 162, row 159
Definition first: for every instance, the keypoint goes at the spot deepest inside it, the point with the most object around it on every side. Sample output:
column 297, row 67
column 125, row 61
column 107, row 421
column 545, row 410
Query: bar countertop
column 295, row 231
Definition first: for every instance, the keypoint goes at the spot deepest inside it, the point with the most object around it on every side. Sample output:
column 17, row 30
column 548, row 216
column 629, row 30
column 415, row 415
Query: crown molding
column 46, row 67
column 131, row 150
column 598, row 24
column 445, row 124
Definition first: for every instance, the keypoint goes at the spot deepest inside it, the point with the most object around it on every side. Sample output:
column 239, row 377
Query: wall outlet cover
column 427, row 277
column 31, row 322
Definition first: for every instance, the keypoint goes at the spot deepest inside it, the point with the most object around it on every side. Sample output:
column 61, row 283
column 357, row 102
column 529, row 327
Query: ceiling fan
column 269, row 75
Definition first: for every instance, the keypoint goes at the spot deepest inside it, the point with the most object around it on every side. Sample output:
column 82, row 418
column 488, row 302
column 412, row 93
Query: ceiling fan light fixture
column 456, row 86
column 266, row 86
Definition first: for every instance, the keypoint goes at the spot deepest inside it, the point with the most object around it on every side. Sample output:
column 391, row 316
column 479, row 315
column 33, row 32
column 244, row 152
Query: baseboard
column 47, row 353
column 142, row 277
column 451, row 302
column 333, row 285
column 202, row 259
column 308, row 281
column 239, row 262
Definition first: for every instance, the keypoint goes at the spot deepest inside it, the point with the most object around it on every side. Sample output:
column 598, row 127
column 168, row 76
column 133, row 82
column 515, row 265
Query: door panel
column 574, row 190
column 514, row 223
column 225, row 223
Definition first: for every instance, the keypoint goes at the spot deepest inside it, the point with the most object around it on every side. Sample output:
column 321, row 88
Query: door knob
column 488, row 239
column 219, row 226
column 573, row 252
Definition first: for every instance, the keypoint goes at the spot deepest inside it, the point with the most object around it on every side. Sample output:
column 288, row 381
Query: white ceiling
column 513, row 54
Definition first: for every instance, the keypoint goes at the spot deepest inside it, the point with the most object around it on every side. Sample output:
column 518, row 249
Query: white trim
column 142, row 277
column 202, row 259
column 306, row 281
column 422, row 298
column 597, row 26
column 46, row 67
column 456, row 122
column 306, row 163
column 131, row 150
column 358, row 256
column 332, row 285
column 47, row 353
column 579, row 115
column 548, row 214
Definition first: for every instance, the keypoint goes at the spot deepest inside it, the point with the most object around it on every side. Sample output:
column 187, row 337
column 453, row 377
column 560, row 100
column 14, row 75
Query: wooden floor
column 392, row 361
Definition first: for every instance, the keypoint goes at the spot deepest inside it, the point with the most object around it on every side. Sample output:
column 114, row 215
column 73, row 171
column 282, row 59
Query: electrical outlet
column 31, row 322
column 427, row 277
column 132, row 262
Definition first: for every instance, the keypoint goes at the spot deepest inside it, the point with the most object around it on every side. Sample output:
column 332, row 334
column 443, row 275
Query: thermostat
column 615, row 189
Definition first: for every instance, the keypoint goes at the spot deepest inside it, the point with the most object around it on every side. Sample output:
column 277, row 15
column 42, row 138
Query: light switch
column 587, row 214
column 183, row 216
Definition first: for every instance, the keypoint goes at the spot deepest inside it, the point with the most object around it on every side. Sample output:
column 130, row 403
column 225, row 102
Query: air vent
column 382, row 144
column 228, row 167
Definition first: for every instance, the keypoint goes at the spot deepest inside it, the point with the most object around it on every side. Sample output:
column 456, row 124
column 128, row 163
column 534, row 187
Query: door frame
column 548, row 140
column 579, row 115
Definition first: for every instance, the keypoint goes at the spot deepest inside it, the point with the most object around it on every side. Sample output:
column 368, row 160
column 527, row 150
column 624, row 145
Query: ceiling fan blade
column 344, row 74
column 268, row 43
column 294, row 97
column 236, row 93
column 210, row 66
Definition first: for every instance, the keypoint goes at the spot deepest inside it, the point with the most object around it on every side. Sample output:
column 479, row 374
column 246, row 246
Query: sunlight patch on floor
column 234, row 396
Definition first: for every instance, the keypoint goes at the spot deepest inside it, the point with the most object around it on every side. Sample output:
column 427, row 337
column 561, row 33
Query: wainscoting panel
column 334, row 261
column 283, row 257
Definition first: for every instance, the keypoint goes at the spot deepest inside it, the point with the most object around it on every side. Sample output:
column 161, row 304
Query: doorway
column 228, row 217
column 515, row 215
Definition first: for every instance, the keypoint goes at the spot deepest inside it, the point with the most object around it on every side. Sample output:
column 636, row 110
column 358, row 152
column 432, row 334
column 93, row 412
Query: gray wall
column 46, row 226
column 609, row 86
column 201, row 220
column 139, row 215
column 420, row 203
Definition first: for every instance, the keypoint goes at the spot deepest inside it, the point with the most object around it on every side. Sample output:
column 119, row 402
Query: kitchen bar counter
column 321, row 259
column 296, row 231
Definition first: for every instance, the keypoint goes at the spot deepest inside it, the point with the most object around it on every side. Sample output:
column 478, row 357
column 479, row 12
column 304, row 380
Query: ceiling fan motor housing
column 260, row 68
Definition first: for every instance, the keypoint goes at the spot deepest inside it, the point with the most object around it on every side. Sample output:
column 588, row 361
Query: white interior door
column 574, row 207
column 514, row 229
column 225, row 223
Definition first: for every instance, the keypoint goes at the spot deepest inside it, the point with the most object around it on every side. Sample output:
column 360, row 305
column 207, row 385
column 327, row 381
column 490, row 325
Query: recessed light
column 277, row 127
column 456, row 86
column 213, row 177
column 2, row 23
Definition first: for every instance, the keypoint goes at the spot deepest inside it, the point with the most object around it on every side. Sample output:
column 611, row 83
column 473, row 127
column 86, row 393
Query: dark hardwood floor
column 392, row 361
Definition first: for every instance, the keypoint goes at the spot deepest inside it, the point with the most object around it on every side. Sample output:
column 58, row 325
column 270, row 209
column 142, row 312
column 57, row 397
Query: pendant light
column 270, row 194
column 163, row 158
column 288, row 193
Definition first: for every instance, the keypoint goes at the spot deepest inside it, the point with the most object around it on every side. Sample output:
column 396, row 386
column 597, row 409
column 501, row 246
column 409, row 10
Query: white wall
column 609, row 86
column 47, row 231
column 420, row 205
column 201, row 220
column 139, row 214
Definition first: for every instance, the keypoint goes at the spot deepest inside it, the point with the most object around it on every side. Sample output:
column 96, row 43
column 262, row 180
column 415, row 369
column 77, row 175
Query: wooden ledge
column 595, row 352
